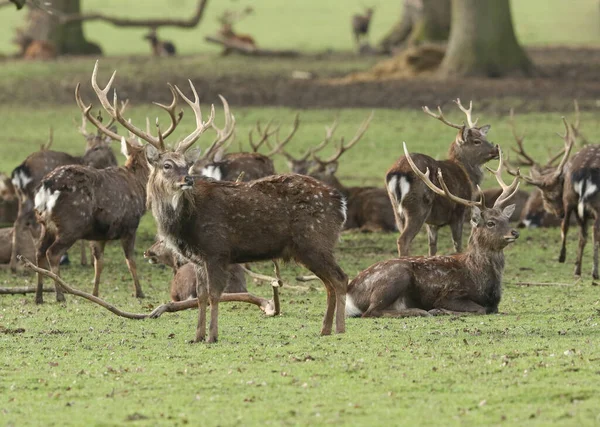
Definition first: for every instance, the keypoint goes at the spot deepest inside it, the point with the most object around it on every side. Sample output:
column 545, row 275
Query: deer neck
column 486, row 268
column 473, row 171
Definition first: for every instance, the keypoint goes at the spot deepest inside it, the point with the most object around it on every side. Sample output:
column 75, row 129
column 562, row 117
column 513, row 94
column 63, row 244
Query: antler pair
column 266, row 133
column 507, row 190
column 440, row 115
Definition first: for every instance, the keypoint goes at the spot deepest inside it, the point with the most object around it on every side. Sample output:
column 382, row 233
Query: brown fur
column 160, row 47
column 519, row 199
column 110, row 203
column 40, row 50
column 231, row 165
column 462, row 171
column 9, row 202
column 534, row 215
column 24, row 239
column 217, row 223
column 361, row 23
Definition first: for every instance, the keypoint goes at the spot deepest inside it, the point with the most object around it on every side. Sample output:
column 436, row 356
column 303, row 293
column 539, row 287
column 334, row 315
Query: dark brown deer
column 160, row 47
column 183, row 285
column 217, row 223
column 470, row 282
column 253, row 165
column 27, row 176
column 9, row 202
column 360, row 25
column 570, row 188
column 415, row 204
column 25, row 239
column 110, row 202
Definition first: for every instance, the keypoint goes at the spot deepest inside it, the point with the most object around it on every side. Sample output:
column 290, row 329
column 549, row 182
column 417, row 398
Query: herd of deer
column 218, row 210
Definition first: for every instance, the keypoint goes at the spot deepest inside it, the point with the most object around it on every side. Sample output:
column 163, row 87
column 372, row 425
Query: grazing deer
column 27, row 176
column 415, row 204
column 254, row 165
column 240, row 225
column 469, row 282
column 360, row 25
column 570, row 188
column 160, row 47
column 110, row 202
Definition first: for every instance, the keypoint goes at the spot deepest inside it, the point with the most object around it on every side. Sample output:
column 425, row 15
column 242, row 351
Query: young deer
column 228, row 167
column 109, row 203
column 415, row 204
column 160, row 47
column 421, row 286
column 27, row 176
column 572, row 187
column 217, row 223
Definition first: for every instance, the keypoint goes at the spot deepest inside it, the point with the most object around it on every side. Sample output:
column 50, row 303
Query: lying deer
column 570, row 188
column 25, row 239
column 470, row 282
column 519, row 199
column 9, row 202
column 415, row 204
column 160, row 47
column 240, row 225
column 183, row 285
column 27, row 176
column 110, row 202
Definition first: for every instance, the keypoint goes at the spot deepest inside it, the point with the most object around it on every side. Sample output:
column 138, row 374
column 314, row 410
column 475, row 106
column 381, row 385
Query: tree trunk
column 483, row 42
column 421, row 21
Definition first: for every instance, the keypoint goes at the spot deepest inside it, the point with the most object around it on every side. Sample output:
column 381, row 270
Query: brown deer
column 254, row 165
column 240, row 225
column 9, row 202
column 572, row 188
column 27, row 176
column 110, row 202
column 415, row 204
column 469, row 282
column 25, row 239
column 160, row 47
column 183, row 285
column 534, row 215
column 360, row 25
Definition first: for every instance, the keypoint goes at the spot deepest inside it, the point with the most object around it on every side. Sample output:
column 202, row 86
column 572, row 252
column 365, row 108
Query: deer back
column 231, row 165
column 581, row 182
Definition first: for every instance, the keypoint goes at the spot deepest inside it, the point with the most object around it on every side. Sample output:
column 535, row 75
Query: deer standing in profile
column 360, row 25
column 415, row 204
column 28, row 175
column 572, row 187
column 218, row 223
column 469, row 282
column 160, row 47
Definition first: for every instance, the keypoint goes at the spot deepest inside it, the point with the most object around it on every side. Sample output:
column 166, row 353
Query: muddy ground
column 564, row 74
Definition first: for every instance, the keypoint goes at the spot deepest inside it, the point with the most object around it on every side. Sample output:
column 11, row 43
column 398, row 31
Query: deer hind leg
column 456, row 229
column 83, row 253
column 54, row 253
column 128, row 244
column 432, row 234
column 98, row 255
column 216, row 274
column 46, row 240
column 564, row 229
column 596, row 236
column 581, row 246
column 202, row 293
column 412, row 225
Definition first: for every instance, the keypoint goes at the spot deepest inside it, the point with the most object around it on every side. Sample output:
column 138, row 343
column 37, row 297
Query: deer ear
column 508, row 211
column 464, row 134
column 191, row 156
column 152, row 154
column 475, row 216
column 485, row 129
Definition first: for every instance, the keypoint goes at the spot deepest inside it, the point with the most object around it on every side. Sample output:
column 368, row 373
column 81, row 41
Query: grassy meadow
column 534, row 363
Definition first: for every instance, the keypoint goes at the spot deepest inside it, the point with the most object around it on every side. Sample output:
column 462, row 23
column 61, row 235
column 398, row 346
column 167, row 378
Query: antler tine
column 569, row 141
column 444, row 191
column 468, row 112
column 200, row 125
column 263, row 135
column 507, row 190
column 122, row 110
column 281, row 144
column 114, row 112
column 440, row 117
column 528, row 160
column 86, row 113
column 343, row 148
column 171, row 110
column 222, row 134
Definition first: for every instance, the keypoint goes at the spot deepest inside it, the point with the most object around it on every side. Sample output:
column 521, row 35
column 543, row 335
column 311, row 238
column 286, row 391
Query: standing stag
column 415, row 204
column 217, row 223
column 420, row 286
column 27, row 176
column 79, row 202
column 572, row 187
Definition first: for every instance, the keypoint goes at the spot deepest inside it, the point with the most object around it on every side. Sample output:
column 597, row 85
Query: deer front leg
column 202, row 292
column 564, row 229
column 596, row 237
column 128, row 244
column 216, row 274
column 46, row 241
column 581, row 246
column 432, row 234
column 54, row 253
column 457, row 230
column 98, row 255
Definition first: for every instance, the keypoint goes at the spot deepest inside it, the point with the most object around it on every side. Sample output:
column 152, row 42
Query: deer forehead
column 178, row 159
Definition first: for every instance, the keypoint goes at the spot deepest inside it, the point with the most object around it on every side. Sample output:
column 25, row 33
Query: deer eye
column 477, row 142
column 490, row 224
column 167, row 166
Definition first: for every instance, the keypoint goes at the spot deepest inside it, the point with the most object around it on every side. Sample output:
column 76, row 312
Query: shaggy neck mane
column 473, row 171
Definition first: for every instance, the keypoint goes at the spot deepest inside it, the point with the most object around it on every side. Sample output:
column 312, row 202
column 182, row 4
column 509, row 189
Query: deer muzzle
column 186, row 183
column 495, row 153
column 510, row 238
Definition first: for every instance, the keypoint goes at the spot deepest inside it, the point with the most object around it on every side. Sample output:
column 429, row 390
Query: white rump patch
column 213, row 172
column 584, row 194
column 21, row 180
column 402, row 185
column 344, row 210
column 391, row 185
column 351, row 309
column 45, row 200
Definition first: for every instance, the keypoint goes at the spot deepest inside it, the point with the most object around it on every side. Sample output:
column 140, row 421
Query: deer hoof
column 140, row 295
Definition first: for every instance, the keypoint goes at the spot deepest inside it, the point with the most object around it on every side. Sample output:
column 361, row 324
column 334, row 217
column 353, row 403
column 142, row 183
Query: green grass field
column 535, row 363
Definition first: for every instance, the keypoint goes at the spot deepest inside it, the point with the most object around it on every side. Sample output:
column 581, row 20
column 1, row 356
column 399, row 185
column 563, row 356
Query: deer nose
column 188, row 180
column 515, row 234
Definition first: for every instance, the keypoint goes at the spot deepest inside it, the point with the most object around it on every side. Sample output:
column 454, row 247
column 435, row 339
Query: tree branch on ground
column 249, row 50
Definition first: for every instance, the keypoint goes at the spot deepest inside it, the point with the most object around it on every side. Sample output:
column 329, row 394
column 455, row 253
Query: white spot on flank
column 213, row 172
column 351, row 309
column 45, row 200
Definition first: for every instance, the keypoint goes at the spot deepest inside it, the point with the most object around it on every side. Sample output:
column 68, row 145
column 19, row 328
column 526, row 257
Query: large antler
column 86, row 114
column 441, row 118
column 200, row 125
column 507, row 190
column 329, row 131
column 281, row 143
column 444, row 192
column 263, row 134
column 224, row 134
column 342, row 148
column 470, row 121
column 113, row 111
